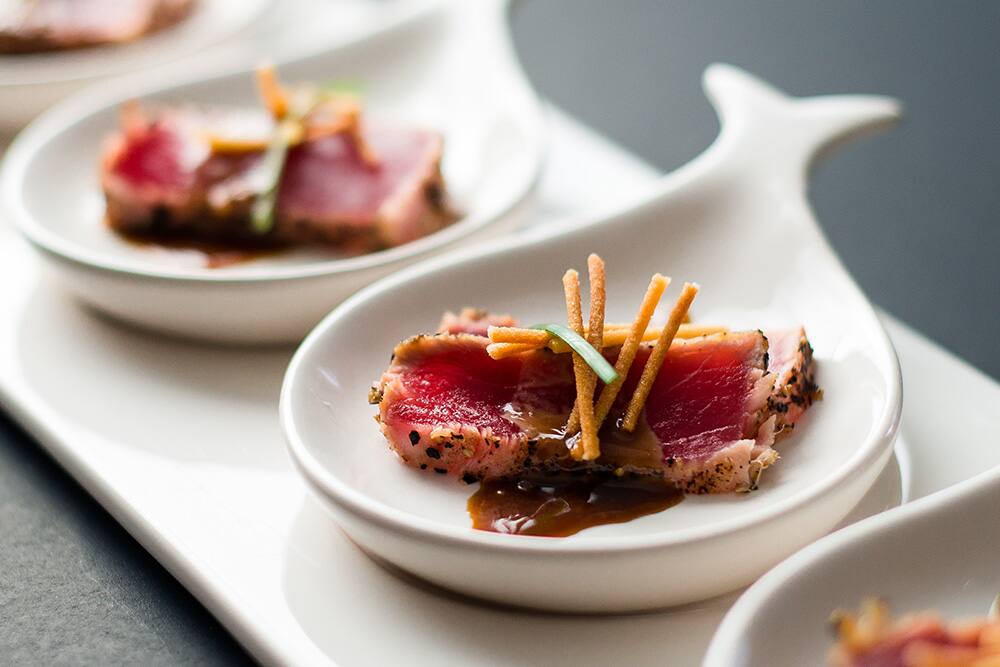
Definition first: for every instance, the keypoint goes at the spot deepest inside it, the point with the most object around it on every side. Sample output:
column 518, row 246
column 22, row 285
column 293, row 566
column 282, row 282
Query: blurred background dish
column 935, row 553
column 33, row 79
column 454, row 71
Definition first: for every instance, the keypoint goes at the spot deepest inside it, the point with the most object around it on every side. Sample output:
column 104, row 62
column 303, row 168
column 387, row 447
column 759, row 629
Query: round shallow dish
column 936, row 553
column 453, row 71
column 745, row 232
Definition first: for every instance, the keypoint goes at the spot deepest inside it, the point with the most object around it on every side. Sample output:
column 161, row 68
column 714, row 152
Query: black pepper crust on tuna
column 795, row 384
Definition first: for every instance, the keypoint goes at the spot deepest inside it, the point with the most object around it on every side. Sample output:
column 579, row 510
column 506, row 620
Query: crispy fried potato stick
column 657, row 356
column 595, row 336
column 574, row 318
column 657, row 285
column 504, row 350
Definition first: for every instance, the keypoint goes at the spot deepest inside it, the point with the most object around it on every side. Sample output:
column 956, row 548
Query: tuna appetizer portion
column 872, row 638
column 698, row 408
column 313, row 171
column 57, row 25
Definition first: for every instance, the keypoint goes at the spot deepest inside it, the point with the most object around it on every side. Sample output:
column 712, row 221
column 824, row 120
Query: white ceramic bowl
column 939, row 552
column 451, row 70
column 736, row 219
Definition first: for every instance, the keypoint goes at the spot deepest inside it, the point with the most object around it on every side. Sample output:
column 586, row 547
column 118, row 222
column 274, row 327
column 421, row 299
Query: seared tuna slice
column 446, row 406
column 790, row 360
column 160, row 176
column 706, row 409
column 53, row 25
column 473, row 321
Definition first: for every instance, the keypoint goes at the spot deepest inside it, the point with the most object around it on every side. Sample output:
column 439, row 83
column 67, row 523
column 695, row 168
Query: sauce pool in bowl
column 564, row 503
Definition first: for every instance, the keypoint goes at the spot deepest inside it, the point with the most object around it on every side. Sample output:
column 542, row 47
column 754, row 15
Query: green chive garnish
column 265, row 205
column 594, row 359
column 286, row 134
column 342, row 87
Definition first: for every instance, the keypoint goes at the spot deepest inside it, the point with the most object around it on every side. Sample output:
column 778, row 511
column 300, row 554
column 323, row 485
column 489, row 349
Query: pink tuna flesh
column 160, row 175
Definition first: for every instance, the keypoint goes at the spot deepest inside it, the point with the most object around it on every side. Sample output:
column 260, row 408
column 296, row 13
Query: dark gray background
column 913, row 213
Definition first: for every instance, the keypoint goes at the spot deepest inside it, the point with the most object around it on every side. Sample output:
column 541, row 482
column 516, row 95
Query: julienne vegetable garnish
column 287, row 133
column 594, row 359
column 615, row 335
column 343, row 87
column 588, row 414
column 300, row 114
column 581, row 419
column 583, row 422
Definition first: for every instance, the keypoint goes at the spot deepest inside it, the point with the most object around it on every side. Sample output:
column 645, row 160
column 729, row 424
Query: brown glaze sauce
column 564, row 503
column 639, row 451
column 556, row 498
column 213, row 254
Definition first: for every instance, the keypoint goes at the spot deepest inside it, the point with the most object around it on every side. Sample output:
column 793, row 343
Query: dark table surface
column 915, row 215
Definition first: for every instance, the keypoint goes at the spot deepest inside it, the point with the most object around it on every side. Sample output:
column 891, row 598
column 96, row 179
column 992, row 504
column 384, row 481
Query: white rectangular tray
column 180, row 442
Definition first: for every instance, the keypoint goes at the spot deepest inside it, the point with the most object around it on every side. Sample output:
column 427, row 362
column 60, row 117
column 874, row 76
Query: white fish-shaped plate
column 735, row 219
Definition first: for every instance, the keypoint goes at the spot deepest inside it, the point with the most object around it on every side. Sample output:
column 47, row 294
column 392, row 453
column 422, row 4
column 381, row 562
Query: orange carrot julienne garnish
column 275, row 97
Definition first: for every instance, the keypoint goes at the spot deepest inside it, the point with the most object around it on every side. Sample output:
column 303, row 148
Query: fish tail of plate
column 484, row 25
column 779, row 136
